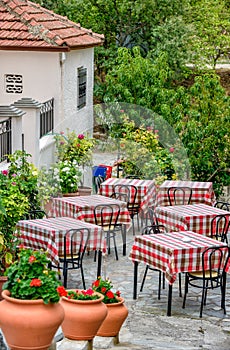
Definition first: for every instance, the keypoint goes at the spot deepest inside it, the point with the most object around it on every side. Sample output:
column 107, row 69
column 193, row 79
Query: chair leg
column 115, row 246
column 180, row 290
column 65, row 271
column 143, row 281
column 204, row 292
column 83, row 277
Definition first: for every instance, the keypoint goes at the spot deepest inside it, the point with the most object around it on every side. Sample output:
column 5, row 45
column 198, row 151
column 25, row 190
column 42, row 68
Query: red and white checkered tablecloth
column 202, row 192
column 48, row 234
column 170, row 254
column 194, row 217
column 146, row 190
column 82, row 208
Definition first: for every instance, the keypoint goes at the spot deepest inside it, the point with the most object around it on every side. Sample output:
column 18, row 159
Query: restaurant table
column 146, row 190
column 194, row 217
column 82, row 208
column 48, row 234
column 202, row 192
column 171, row 254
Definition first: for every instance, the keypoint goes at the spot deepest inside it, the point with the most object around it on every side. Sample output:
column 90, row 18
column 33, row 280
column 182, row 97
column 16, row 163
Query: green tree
column 211, row 41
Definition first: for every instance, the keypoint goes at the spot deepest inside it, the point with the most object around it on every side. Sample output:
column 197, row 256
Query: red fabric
column 170, row 254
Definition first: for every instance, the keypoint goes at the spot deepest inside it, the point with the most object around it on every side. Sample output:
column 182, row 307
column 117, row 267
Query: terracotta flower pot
column 117, row 314
column 82, row 317
column 71, row 194
column 3, row 279
column 84, row 191
column 29, row 324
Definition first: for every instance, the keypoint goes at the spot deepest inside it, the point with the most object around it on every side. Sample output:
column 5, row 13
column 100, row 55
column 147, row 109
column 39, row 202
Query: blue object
column 97, row 170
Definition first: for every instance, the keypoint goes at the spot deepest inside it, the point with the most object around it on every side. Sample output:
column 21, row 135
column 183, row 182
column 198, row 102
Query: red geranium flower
column 61, row 291
column 35, row 282
column 110, row 294
column 103, row 289
column 32, row 259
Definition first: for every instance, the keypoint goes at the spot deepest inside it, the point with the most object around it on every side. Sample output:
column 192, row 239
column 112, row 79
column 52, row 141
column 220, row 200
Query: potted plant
column 84, row 313
column 31, row 302
column 76, row 149
column 117, row 311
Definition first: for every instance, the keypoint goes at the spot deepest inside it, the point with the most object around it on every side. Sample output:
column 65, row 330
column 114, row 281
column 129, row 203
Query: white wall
column 40, row 71
column 49, row 75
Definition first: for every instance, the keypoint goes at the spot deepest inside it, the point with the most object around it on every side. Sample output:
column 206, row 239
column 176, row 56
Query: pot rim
column 6, row 296
column 121, row 301
column 95, row 301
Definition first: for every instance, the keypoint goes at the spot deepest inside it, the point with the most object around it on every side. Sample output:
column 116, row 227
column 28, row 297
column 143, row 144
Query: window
column 13, row 83
column 82, row 78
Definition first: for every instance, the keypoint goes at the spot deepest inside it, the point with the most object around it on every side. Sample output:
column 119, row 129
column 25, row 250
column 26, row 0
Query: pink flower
column 122, row 110
column 13, row 183
column 14, row 175
column 156, row 131
column 149, row 128
column 171, row 149
column 81, row 136
column 61, row 132
column 5, row 172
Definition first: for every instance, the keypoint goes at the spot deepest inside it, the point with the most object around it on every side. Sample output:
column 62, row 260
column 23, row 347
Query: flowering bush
column 105, row 287
column 14, row 204
column 29, row 277
column 70, row 176
column 78, row 294
column 73, row 147
column 48, row 183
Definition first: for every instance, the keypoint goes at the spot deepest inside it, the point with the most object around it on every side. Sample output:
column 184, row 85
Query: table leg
column 99, row 258
column 135, row 280
column 169, row 300
column 124, row 239
column 223, row 291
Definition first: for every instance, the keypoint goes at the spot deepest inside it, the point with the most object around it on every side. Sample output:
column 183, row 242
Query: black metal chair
column 148, row 230
column 97, row 182
column 220, row 225
column 133, row 206
column 179, row 195
column 74, row 242
column 132, row 177
column 35, row 214
column 149, row 216
column 107, row 216
column 222, row 205
column 211, row 276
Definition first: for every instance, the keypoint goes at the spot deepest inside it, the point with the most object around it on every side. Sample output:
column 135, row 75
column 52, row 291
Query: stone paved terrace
column 147, row 326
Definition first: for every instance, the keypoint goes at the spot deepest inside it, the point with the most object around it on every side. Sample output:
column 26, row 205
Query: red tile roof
column 25, row 25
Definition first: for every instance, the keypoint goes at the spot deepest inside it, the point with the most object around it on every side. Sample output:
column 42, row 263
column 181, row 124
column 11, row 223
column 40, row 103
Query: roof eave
column 30, row 48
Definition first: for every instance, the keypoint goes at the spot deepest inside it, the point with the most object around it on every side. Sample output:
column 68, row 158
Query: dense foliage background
column 151, row 49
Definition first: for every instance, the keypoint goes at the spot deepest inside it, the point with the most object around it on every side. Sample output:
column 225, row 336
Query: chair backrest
column 213, row 261
column 75, row 243
column 179, row 195
column 98, row 181
column 106, row 215
column 153, row 229
column 151, row 216
column 220, row 226
column 132, row 177
column 120, row 196
column 35, row 214
column 222, row 205
column 129, row 190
